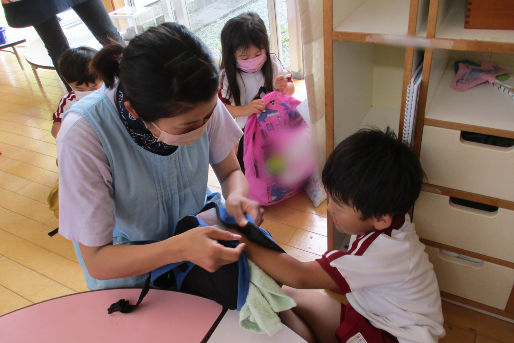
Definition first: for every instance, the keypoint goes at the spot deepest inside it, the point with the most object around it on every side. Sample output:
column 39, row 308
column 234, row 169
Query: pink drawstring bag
column 469, row 75
column 277, row 156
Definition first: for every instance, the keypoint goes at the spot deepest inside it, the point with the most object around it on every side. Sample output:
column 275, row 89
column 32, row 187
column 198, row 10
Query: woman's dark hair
column 73, row 65
column 375, row 173
column 240, row 33
column 164, row 71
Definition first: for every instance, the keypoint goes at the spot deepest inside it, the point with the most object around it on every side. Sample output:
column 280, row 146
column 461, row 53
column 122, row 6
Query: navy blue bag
column 227, row 286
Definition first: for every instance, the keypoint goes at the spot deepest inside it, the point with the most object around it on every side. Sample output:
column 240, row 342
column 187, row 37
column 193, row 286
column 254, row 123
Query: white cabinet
column 465, row 139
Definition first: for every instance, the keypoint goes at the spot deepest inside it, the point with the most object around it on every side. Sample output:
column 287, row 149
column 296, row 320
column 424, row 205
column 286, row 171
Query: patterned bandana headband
column 137, row 130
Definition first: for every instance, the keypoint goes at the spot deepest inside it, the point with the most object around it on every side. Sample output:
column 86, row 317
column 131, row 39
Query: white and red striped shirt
column 65, row 104
column 388, row 279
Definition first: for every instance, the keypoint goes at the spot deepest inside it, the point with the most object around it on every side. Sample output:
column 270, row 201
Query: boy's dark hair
column 74, row 65
column 375, row 173
column 239, row 33
column 165, row 71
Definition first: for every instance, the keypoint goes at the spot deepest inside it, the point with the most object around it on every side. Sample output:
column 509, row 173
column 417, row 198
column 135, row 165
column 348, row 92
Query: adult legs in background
column 55, row 41
column 96, row 18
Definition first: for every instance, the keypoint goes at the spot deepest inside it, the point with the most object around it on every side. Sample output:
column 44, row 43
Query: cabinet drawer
column 488, row 233
column 483, row 282
column 478, row 168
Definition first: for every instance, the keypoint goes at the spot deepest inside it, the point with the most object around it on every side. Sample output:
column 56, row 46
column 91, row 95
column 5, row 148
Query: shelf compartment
column 484, row 282
column 450, row 24
column 371, row 16
column 464, row 227
column 482, row 106
column 368, row 81
column 472, row 167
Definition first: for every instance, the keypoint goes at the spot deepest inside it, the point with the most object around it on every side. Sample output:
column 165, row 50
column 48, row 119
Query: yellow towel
column 53, row 199
column 264, row 300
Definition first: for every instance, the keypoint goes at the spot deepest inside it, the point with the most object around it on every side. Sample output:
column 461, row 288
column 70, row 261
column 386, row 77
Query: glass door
column 207, row 17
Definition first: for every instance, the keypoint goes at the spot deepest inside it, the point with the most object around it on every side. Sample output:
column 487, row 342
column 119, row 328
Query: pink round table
column 164, row 316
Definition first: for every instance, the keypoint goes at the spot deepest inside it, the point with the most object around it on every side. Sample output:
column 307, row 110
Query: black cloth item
column 137, row 130
column 251, row 231
column 221, row 286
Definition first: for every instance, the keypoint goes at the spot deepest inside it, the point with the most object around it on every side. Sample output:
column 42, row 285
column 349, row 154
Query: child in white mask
column 74, row 68
column 249, row 70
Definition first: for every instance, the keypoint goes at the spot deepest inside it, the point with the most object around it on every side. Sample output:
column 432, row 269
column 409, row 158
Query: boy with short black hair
column 372, row 181
column 74, row 68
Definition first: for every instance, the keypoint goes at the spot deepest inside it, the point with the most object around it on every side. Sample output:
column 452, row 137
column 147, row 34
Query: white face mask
column 82, row 94
column 187, row 138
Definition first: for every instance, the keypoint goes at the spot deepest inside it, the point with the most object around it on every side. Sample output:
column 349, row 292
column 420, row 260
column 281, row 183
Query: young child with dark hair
column 372, row 181
column 248, row 70
column 73, row 65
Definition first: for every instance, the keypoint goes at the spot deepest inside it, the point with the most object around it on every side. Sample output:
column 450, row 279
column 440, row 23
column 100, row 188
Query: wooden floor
column 35, row 267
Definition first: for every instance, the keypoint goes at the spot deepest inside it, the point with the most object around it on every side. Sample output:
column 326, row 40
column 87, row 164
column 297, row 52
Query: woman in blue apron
column 134, row 157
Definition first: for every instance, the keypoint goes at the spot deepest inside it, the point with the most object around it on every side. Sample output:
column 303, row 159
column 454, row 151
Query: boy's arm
column 288, row 270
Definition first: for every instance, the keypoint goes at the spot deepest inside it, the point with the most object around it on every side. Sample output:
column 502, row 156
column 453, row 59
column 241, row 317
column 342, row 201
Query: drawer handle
column 489, row 209
column 502, row 143
column 463, row 260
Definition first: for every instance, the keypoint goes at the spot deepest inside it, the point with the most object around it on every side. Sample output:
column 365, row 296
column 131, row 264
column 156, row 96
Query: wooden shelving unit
column 369, row 60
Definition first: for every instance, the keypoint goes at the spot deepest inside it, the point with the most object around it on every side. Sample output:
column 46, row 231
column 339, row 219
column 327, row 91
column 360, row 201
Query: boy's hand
column 256, row 106
column 281, row 83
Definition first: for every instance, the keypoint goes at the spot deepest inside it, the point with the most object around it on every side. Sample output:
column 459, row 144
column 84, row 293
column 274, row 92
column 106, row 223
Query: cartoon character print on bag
column 276, row 143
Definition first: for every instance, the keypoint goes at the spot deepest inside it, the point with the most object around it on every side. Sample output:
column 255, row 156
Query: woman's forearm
column 116, row 261
column 198, row 245
column 235, row 182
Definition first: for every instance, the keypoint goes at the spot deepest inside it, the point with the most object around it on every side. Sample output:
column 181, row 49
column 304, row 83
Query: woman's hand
column 237, row 205
column 235, row 190
column 256, row 106
column 200, row 246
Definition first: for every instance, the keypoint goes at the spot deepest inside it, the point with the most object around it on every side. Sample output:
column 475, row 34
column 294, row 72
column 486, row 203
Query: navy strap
column 124, row 306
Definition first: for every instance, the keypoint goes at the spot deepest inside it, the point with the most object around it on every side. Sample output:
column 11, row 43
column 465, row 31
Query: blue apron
column 151, row 192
